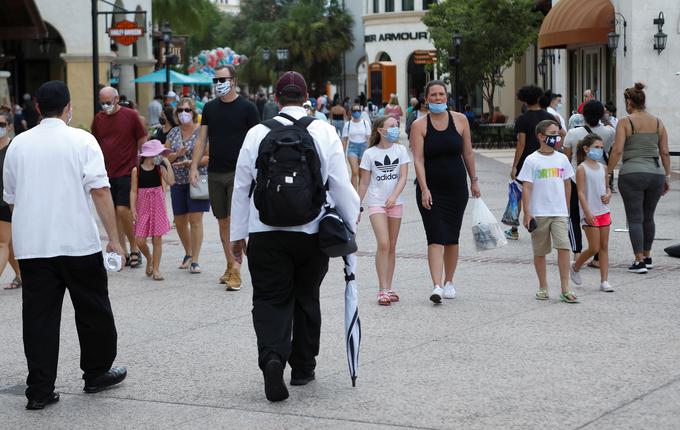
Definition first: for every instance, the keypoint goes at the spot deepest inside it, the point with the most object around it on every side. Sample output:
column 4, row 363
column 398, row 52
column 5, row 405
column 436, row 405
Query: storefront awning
column 20, row 19
column 577, row 22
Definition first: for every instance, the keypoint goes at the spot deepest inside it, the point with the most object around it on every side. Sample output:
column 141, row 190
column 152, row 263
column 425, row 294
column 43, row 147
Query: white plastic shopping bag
column 486, row 230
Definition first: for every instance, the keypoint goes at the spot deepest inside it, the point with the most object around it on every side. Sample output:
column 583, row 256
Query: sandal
column 394, row 297
column 185, row 262
column 127, row 260
column 384, row 298
column 135, row 259
column 542, row 294
column 16, row 283
column 194, row 268
column 592, row 264
column 157, row 277
column 568, row 297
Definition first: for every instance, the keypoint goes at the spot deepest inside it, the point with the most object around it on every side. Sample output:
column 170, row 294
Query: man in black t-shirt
column 224, row 124
column 525, row 128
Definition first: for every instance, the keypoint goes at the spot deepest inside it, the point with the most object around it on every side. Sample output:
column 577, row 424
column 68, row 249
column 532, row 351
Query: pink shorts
column 603, row 220
column 395, row 211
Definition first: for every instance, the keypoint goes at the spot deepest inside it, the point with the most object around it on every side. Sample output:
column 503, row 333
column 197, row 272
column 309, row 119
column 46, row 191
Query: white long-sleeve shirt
column 245, row 218
column 48, row 174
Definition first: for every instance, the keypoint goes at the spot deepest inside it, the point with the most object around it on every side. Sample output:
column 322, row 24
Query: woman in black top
column 442, row 152
column 167, row 122
column 6, row 253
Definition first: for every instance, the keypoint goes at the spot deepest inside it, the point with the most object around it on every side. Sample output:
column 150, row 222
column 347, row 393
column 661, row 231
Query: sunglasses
column 187, row 110
column 3, row 124
column 221, row 80
column 355, row 110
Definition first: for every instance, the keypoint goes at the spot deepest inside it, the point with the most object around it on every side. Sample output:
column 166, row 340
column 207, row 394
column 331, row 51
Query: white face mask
column 3, row 132
column 70, row 116
column 222, row 88
column 109, row 107
column 185, row 117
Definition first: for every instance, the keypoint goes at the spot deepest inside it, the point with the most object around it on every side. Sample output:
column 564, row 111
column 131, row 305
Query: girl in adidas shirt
column 384, row 170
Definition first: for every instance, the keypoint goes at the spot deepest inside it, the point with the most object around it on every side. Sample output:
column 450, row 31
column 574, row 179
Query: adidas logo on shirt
column 387, row 167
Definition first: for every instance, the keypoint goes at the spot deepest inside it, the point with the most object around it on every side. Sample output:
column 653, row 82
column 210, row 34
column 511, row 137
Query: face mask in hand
column 552, row 141
column 185, row 117
column 223, row 88
column 392, row 134
column 437, row 107
column 595, row 154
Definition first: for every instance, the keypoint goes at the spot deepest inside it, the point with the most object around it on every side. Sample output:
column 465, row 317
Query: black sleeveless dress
column 446, row 178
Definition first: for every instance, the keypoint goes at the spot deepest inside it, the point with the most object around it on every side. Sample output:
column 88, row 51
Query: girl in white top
column 592, row 183
column 384, row 170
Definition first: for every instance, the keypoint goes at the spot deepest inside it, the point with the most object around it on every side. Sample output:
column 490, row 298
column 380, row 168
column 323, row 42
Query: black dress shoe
column 36, row 405
column 113, row 376
column 274, row 388
column 301, row 378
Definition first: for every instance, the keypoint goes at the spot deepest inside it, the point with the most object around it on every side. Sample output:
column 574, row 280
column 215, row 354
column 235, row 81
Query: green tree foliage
column 496, row 33
column 187, row 17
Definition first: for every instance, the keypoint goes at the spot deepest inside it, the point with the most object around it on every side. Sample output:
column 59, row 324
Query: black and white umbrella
column 352, row 322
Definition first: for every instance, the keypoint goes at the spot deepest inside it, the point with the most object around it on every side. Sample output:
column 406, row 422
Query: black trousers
column 44, row 283
column 287, row 269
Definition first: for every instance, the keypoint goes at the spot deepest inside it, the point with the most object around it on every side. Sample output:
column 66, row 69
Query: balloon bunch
column 206, row 61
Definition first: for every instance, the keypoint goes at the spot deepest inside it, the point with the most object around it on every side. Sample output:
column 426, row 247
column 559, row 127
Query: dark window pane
column 389, row 5
column 407, row 4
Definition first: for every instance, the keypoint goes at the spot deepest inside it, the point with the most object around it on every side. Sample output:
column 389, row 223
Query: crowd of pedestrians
column 268, row 169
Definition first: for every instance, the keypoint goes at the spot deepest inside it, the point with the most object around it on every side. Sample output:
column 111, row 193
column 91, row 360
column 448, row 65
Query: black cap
column 52, row 97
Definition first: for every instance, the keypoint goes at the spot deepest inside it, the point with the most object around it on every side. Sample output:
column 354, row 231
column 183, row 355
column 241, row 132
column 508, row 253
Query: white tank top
column 595, row 189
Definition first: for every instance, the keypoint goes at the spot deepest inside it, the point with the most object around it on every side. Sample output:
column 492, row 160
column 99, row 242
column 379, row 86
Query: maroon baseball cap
column 291, row 84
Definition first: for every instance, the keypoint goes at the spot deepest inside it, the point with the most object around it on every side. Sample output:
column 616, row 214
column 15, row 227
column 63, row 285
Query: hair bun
column 639, row 86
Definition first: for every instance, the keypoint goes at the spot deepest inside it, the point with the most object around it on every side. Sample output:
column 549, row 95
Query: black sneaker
column 648, row 262
column 36, row 405
column 274, row 388
column 301, row 378
column 638, row 267
column 112, row 377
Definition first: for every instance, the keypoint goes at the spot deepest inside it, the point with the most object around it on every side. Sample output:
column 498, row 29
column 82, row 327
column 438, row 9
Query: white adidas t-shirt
column 384, row 165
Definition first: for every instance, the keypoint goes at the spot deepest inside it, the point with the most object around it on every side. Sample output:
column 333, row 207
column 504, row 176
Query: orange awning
column 577, row 22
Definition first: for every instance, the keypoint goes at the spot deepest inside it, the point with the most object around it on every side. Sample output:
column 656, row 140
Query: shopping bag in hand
column 511, row 214
column 486, row 230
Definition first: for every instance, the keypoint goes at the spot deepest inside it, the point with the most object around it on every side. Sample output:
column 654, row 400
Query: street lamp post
column 455, row 61
column 282, row 57
column 167, row 39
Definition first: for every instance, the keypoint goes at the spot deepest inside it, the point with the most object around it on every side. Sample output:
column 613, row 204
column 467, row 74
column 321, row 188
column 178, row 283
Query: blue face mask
column 437, row 107
column 552, row 141
column 393, row 134
column 595, row 154
column 356, row 115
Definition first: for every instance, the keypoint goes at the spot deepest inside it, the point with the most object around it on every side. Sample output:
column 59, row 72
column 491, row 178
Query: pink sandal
column 394, row 297
column 384, row 298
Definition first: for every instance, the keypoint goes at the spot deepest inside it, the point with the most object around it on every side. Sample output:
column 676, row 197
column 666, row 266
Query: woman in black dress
column 442, row 154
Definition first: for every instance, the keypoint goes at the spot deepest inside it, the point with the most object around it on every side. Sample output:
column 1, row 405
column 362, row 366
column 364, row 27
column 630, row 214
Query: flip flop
column 157, row 277
column 135, row 259
column 16, row 283
column 185, row 262
column 593, row 265
column 194, row 269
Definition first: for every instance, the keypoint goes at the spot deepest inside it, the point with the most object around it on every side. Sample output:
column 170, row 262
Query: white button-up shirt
column 48, row 174
column 245, row 218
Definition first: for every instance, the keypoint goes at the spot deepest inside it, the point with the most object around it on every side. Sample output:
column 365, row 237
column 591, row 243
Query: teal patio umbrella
column 201, row 78
column 158, row 77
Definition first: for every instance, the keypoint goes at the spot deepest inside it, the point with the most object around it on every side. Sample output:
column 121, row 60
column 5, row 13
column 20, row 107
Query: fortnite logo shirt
column 554, row 172
column 387, row 167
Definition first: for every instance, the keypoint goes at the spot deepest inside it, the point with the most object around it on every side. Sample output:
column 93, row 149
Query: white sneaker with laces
column 449, row 291
column 436, row 296
column 606, row 287
column 575, row 276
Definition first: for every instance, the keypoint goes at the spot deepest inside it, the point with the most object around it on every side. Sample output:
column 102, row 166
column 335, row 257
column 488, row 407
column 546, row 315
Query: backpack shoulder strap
column 272, row 124
column 588, row 129
column 302, row 122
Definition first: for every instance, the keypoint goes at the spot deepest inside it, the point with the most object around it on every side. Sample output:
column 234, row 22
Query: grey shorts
column 220, row 190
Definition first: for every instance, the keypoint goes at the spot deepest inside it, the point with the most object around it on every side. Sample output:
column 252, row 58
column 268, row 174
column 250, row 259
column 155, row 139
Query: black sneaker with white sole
column 638, row 267
column 648, row 262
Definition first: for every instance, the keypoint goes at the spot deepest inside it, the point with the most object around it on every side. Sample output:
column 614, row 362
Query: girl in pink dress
column 147, row 202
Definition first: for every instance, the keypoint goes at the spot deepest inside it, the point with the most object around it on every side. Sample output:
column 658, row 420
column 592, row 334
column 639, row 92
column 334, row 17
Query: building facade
column 574, row 38
column 43, row 40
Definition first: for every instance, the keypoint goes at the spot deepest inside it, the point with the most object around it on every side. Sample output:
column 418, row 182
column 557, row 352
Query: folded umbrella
column 352, row 322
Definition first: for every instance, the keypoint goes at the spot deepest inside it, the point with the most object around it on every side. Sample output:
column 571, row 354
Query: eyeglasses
column 221, row 80
column 187, row 110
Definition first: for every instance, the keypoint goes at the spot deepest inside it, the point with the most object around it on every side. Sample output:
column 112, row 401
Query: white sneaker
column 449, row 291
column 575, row 276
column 436, row 296
column 606, row 287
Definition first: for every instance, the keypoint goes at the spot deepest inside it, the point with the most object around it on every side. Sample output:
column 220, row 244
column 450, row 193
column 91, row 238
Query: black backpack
column 289, row 190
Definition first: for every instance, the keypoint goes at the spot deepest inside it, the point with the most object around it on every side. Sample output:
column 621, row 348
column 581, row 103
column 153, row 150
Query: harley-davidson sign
column 125, row 32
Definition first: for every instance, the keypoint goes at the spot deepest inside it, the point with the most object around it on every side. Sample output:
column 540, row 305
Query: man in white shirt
column 52, row 175
column 286, row 264
column 554, row 108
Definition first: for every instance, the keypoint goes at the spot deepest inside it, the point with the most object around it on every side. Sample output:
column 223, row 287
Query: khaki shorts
column 548, row 227
column 220, row 190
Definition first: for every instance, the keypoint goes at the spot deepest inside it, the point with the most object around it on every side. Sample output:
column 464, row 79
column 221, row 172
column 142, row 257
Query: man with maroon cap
column 286, row 264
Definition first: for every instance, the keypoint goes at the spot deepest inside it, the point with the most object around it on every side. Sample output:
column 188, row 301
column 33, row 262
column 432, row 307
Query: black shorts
column 5, row 214
column 120, row 190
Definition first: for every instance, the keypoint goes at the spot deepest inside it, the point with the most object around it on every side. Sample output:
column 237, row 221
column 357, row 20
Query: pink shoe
column 394, row 297
column 384, row 298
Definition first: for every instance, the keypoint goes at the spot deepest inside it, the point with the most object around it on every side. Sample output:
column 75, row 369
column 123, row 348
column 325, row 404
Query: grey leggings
column 641, row 192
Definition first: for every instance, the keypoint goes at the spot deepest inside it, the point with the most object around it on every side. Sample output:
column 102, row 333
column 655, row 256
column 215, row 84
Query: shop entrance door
column 592, row 73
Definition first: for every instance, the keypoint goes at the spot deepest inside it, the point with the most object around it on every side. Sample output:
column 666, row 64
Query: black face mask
column 161, row 121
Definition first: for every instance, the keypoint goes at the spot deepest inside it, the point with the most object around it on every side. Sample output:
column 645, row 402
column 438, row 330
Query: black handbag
column 336, row 239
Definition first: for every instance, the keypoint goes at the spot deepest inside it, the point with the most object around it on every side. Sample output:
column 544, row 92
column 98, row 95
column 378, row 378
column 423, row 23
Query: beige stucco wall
column 79, row 80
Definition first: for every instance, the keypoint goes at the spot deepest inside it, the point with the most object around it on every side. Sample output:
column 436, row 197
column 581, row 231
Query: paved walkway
column 492, row 358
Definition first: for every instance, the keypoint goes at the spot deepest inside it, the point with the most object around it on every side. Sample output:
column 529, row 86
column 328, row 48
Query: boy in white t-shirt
column 547, row 186
column 384, row 170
